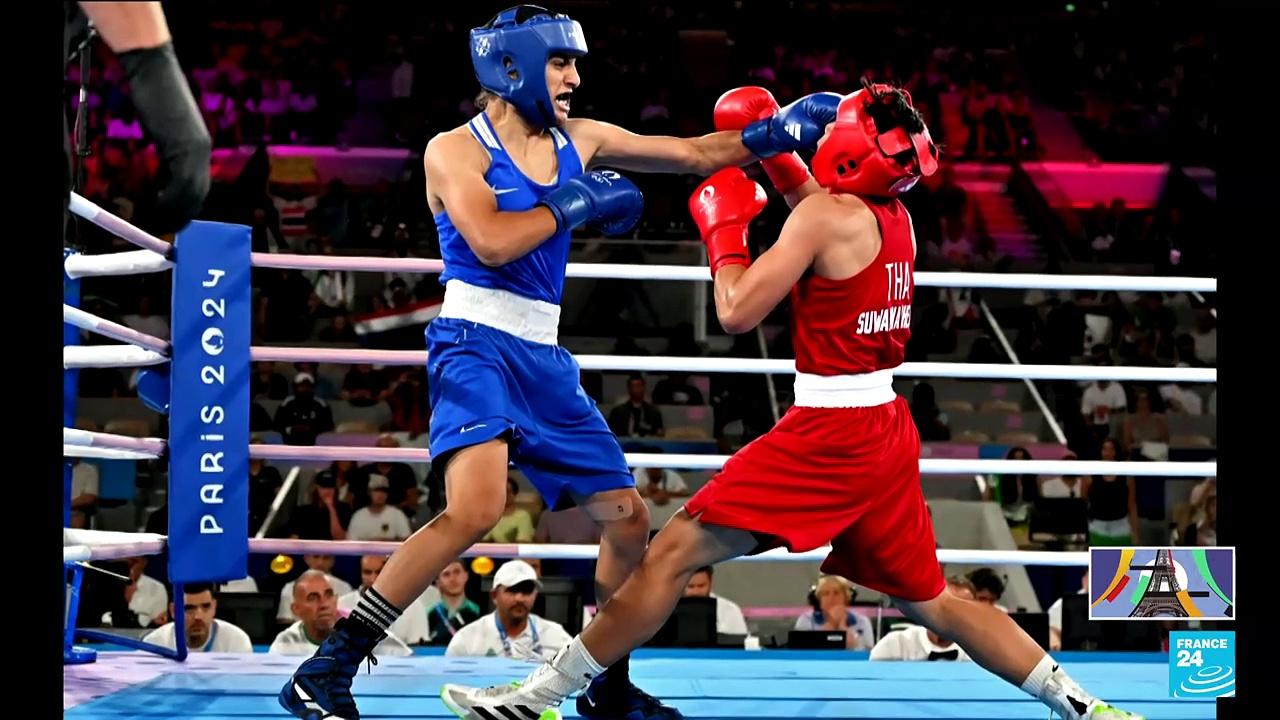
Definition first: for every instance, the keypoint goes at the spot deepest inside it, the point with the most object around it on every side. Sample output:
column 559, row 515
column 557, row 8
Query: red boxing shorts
column 848, row 476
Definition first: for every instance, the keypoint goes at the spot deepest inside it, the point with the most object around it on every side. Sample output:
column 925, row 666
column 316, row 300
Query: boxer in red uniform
column 842, row 466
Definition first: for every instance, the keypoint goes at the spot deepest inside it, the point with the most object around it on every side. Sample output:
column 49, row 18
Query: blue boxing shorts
column 485, row 383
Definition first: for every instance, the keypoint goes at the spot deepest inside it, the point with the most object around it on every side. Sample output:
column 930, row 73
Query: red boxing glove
column 722, row 206
column 742, row 106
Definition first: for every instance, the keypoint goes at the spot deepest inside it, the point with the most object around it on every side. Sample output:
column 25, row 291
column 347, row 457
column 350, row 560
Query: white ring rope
column 627, row 363
column 134, row 262
column 100, row 453
column 115, row 331
column 1017, row 281
column 118, row 227
column 85, row 545
column 614, row 271
column 99, row 356
column 154, row 447
column 928, row 466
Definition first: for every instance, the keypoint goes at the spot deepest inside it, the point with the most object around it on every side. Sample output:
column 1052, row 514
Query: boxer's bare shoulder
column 452, row 156
column 846, row 232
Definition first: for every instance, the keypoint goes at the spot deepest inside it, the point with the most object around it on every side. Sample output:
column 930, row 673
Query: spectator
column 516, row 524
column 1097, row 404
column 1055, row 615
column 320, row 563
column 325, row 517
column 572, row 527
column 268, row 384
column 918, row 642
column 659, row 484
column 1145, row 434
column 204, row 632
column 512, row 630
column 931, row 422
column 832, row 600
column 411, row 627
column 340, row 473
column 988, row 587
column 1015, row 490
column 675, row 389
column 84, row 492
column 1203, row 528
column 454, row 611
column 403, row 492
column 314, row 603
column 637, row 417
column 302, row 417
column 324, row 387
column 144, row 321
column 1181, row 398
column 1113, row 505
column 145, row 596
column 264, row 483
column 1062, row 486
column 363, row 386
column 1206, row 336
column 729, row 618
column 410, row 411
column 377, row 521
column 338, row 330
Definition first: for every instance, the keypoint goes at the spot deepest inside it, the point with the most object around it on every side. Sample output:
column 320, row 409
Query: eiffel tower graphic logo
column 1164, row 597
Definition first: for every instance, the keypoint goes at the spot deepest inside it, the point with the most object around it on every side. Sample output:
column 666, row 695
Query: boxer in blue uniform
column 506, row 190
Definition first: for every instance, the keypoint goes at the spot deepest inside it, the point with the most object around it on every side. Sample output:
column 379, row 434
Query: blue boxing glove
column 798, row 126
column 605, row 199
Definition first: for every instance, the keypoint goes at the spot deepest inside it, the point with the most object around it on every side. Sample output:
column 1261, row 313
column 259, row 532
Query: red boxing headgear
column 857, row 158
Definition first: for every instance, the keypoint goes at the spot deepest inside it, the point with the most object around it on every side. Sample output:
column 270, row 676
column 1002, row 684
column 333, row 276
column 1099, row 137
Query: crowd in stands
column 448, row 614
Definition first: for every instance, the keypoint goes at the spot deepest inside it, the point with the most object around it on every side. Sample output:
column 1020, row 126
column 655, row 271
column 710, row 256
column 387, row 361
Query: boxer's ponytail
column 891, row 108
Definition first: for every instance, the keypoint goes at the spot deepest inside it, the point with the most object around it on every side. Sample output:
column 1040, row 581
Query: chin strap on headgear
column 510, row 56
column 858, row 158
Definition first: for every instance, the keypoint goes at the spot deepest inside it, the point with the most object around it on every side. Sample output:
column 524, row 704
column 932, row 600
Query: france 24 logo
column 1202, row 664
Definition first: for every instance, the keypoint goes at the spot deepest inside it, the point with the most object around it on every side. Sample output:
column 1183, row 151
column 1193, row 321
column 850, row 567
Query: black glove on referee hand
column 169, row 113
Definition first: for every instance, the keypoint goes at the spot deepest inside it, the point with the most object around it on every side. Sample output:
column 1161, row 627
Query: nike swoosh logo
column 473, row 427
column 504, row 191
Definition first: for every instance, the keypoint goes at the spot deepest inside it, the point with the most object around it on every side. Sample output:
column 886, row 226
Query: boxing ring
column 200, row 381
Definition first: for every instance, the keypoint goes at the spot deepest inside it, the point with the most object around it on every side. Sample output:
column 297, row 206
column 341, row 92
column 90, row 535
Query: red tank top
column 860, row 324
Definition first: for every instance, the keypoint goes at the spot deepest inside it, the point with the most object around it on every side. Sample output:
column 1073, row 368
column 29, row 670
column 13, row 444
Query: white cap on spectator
column 514, row 573
column 303, row 377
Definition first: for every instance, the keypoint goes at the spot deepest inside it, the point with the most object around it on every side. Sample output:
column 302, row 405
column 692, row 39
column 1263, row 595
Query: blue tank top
column 539, row 275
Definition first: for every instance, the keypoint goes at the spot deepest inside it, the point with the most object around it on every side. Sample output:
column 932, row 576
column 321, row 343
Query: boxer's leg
column 998, row 644
column 574, row 453
column 647, row 597
column 636, row 612
column 473, row 416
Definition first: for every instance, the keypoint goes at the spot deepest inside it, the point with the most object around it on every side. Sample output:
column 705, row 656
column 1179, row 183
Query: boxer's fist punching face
column 562, row 80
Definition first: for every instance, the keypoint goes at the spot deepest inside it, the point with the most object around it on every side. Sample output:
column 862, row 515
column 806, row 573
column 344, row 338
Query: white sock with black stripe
column 375, row 612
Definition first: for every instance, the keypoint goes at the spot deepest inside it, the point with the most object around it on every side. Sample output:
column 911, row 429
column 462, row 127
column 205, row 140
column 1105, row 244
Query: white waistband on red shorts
column 844, row 391
column 532, row 320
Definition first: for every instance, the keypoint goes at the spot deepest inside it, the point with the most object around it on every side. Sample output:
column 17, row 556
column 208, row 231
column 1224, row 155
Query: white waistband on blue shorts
column 844, row 391
column 532, row 320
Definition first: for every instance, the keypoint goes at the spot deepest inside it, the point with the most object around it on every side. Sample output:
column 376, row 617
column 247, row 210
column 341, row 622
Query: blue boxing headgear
column 510, row 57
